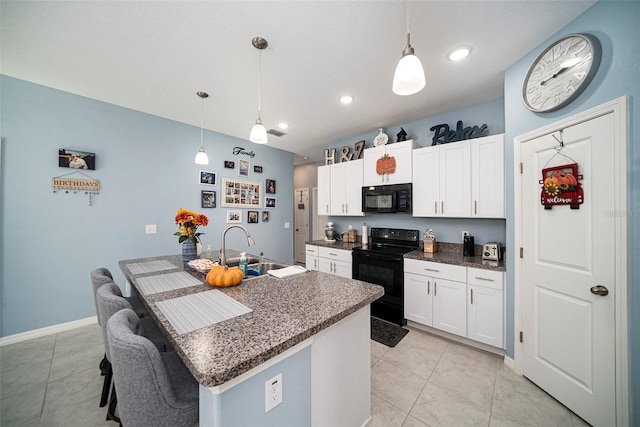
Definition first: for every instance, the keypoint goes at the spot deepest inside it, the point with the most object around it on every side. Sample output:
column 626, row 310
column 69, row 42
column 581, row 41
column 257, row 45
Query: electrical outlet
column 273, row 392
column 150, row 229
column 464, row 233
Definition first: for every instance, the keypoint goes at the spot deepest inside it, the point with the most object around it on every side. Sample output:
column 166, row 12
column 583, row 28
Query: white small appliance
column 491, row 251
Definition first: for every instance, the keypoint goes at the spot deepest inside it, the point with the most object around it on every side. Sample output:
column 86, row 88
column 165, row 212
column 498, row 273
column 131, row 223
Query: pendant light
column 201, row 157
column 259, row 132
column 409, row 76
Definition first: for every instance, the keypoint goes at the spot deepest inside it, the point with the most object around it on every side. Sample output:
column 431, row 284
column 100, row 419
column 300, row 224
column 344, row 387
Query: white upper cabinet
column 487, row 177
column 455, row 179
column 460, row 179
column 400, row 151
column 324, row 190
column 345, row 188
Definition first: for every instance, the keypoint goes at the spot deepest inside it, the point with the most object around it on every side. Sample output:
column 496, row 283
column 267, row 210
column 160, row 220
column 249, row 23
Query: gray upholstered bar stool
column 101, row 276
column 110, row 301
column 154, row 389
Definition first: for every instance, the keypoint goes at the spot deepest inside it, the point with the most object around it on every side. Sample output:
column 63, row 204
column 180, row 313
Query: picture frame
column 243, row 167
column 270, row 186
column 75, row 159
column 271, row 202
column 265, row 216
column 207, row 199
column 257, row 169
column 234, row 216
column 252, row 217
column 228, row 164
column 238, row 193
column 207, row 178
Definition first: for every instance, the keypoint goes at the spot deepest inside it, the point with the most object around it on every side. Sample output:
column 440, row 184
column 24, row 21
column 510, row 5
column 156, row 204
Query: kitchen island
column 312, row 328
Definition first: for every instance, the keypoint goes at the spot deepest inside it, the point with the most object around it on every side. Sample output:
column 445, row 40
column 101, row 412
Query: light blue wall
column 51, row 242
column 244, row 404
column 445, row 229
column 617, row 25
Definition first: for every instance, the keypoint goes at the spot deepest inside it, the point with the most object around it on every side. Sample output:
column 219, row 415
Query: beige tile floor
column 423, row 381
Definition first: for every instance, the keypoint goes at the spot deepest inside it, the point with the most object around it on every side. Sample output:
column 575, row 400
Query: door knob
column 600, row 290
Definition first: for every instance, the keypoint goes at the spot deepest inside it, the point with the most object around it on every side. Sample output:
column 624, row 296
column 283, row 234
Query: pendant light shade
column 409, row 76
column 201, row 157
column 258, row 133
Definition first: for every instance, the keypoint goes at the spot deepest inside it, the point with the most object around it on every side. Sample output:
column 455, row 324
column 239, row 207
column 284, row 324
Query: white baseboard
column 509, row 363
column 49, row 330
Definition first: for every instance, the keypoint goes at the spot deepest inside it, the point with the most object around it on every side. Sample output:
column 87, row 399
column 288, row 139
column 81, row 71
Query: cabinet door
column 325, row 265
column 353, row 188
column 342, row 268
column 324, row 190
column 312, row 262
column 426, row 182
column 487, row 177
column 484, row 313
column 417, row 298
column 369, row 174
column 450, row 306
column 455, row 179
column 402, row 151
column 338, row 176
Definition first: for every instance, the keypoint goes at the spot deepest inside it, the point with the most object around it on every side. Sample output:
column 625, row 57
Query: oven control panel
column 398, row 234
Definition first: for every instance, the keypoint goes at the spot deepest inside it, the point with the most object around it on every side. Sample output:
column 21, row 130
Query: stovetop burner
column 392, row 241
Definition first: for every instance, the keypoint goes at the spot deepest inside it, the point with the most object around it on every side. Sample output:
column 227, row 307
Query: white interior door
column 301, row 218
column 568, row 329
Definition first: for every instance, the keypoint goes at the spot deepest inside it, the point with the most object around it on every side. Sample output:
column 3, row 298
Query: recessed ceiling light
column 459, row 54
column 347, row 99
column 283, row 125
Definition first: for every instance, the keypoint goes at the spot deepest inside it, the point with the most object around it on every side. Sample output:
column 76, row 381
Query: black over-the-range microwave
column 387, row 198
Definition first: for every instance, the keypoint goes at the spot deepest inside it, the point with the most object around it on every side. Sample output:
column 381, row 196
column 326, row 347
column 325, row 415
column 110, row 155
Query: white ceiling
column 153, row 56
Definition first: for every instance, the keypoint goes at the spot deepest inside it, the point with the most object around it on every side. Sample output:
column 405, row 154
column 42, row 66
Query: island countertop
column 285, row 312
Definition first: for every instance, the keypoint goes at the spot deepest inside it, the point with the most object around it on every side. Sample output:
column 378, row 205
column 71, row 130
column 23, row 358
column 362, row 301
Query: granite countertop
column 338, row 244
column 285, row 312
column 449, row 253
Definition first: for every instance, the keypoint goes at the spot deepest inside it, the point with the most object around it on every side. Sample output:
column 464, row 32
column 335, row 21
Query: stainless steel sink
column 235, row 261
column 266, row 266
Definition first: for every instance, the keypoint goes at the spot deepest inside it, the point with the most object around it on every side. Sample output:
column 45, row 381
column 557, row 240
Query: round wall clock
column 561, row 72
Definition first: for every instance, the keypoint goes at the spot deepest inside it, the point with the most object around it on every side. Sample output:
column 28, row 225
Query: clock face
column 561, row 72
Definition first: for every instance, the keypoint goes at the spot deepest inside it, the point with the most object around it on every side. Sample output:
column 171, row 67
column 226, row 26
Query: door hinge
column 521, row 252
column 521, row 338
column 520, row 168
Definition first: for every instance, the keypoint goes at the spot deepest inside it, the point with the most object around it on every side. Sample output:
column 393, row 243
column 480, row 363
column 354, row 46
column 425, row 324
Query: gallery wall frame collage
column 239, row 193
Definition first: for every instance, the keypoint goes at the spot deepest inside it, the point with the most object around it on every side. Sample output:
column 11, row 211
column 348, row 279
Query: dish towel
column 287, row 271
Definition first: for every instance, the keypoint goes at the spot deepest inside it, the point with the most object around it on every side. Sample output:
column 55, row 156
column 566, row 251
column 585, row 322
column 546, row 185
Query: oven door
column 387, row 271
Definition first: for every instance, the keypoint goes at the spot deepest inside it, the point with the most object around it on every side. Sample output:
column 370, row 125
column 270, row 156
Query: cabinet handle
column 475, row 207
column 432, row 269
column 435, row 288
column 428, row 287
column 471, row 295
column 334, row 267
column 435, row 206
column 346, row 205
column 484, row 278
column 332, row 254
column 327, row 208
column 442, row 210
column 315, row 264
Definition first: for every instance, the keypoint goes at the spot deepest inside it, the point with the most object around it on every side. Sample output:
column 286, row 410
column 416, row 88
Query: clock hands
column 569, row 63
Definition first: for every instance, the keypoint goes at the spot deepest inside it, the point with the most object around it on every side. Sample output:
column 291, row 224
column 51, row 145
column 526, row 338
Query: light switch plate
column 150, row 229
column 287, row 225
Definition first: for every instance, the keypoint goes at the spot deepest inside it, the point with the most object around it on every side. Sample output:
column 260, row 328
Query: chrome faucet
column 223, row 256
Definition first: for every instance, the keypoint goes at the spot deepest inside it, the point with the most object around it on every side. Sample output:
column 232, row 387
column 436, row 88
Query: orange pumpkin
column 223, row 276
column 386, row 165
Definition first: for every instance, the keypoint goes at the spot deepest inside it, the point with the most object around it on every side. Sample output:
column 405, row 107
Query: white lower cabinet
column 485, row 306
column 463, row 301
column 312, row 257
column 335, row 261
column 433, row 300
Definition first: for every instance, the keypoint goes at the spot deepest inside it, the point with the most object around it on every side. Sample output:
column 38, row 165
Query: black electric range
column 381, row 262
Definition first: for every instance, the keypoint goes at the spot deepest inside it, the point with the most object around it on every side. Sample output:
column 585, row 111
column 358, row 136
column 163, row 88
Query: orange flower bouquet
column 189, row 221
